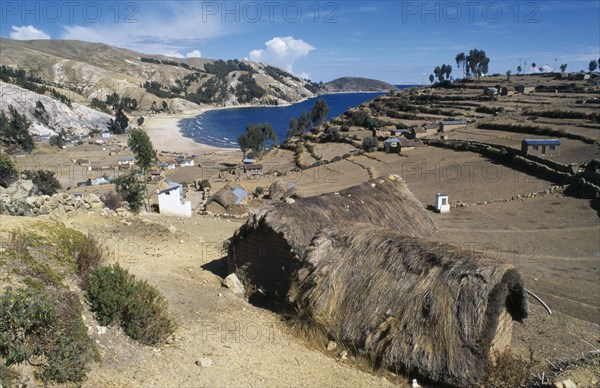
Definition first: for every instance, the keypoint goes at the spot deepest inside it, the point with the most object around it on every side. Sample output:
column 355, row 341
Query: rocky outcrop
column 57, row 205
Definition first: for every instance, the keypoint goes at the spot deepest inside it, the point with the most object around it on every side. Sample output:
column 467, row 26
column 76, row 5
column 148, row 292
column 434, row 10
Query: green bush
column 8, row 170
column 116, row 296
column 107, row 292
column 370, row 144
column 32, row 324
column 146, row 318
column 259, row 190
column 129, row 188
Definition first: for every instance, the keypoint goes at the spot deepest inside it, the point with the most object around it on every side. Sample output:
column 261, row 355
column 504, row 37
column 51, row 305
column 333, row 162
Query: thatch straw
column 281, row 190
column 265, row 251
column 224, row 197
column 408, row 304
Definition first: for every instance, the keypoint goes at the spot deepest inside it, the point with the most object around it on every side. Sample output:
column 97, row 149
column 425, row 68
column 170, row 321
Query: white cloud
column 156, row 30
column 194, row 54
column 282, row 52
column 27, row 33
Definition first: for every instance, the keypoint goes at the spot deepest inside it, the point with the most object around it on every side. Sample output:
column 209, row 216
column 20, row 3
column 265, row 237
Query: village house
column 523, row 89
column 442, row 205
column 105, row 135
column 170, row 197
column 186, row 163
column 448, row 125
column 44, row 137
column 540, row 147
column 490, row 91
column 167, row 166
column 392, row 145
column 253, row 169
column 127, row 161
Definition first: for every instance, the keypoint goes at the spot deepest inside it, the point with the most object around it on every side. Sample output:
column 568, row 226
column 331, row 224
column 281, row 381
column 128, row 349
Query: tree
column 45, row 181
column 140, row 121
column 255, row 138
column 508, row 74
column 319, row 111
column 593, row 65
column 533, row 67
column 119, row 124
column 8, row 170
column 563, row 67
column 40, row 113
column 140, row 144
column 431, row 78
column 129, row 188
column 438, row 73
column 478, row 62
column 57, row 141
column 448, row 71
column 461, row 61
column 519, row 69
column 15, row 131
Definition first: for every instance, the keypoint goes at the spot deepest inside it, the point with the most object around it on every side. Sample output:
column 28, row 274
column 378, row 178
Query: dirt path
column 248, row 346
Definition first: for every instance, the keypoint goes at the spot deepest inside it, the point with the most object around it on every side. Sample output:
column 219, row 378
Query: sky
column 399, row 42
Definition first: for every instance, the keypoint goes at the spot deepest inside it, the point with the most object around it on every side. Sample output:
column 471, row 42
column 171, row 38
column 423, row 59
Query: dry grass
column 405, row 303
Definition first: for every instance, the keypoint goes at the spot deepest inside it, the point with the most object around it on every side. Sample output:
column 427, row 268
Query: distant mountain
column 85, row 71
column 356, row 84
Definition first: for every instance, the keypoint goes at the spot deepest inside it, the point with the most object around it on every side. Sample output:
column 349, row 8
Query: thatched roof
column 384, row 202
column 281, row 190
column 408, row 304
column 227, row 197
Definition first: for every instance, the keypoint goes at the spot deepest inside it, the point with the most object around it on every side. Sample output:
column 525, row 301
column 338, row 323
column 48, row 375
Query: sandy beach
column 163, row 130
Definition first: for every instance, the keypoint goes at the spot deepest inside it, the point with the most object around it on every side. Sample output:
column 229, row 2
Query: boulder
column 234, row 284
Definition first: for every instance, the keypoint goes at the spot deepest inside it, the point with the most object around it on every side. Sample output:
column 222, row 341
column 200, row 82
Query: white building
column 170, row 196
column 442, row 204
column 187, row 163
column 126, row 161
column 106, row 135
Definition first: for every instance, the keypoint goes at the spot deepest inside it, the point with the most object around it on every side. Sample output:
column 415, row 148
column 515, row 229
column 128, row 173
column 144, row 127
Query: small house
column 490, row 91
column 44, row 137
column 129, row 161
column 540, row 147
column 249, row 161
column 392, row 145
column 448, row 125
column 167, row 166
column 105, row 135
column 525, row 89
column 442, row 205
column 581, row 76
column 98, row 181
column 507, row 91
column 170, row 197
column 253, row 169
column 187, row 163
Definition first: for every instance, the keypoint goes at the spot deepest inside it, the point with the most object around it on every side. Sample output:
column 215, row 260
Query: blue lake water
column 222, row 127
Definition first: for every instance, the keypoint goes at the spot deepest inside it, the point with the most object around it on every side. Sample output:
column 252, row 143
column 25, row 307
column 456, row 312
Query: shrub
column 204, row 185
column 107, row 291
column 112, row 200
column 89, row 258
column 146, row 317
column 8, row 170
column 44, row 180
column 370, row 144
column 116, row 296
column 259, row 190
column 34, row 325
column 131, row 190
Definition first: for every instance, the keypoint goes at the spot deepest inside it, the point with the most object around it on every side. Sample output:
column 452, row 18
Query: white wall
column 170, row 203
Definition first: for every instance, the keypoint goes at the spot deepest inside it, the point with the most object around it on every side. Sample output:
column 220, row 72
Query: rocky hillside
column 356, row 84
column 89, row 72
column 49, row 115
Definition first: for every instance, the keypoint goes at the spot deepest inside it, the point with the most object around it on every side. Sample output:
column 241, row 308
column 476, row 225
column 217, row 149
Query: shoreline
column 163, row 128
